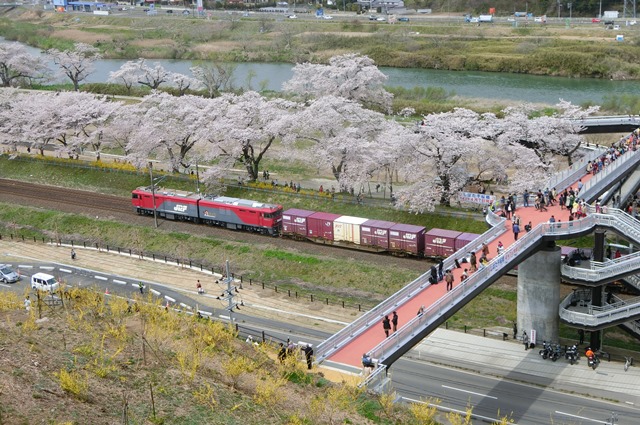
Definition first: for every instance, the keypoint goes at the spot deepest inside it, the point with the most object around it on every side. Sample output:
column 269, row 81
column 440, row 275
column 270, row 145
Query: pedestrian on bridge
column 394, row 321
column 386, row 325
column 449, row 279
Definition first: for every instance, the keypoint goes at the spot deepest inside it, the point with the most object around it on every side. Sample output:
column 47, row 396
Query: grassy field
column 580, row 51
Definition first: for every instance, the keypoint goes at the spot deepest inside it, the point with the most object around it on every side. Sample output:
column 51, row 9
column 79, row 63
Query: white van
column 44, row 282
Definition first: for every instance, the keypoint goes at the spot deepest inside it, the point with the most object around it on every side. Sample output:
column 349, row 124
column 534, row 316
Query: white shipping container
column 347, row 228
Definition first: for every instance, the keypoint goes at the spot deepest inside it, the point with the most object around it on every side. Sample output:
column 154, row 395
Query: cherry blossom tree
column 437, row 159
column 127, row 75
column 69, row 119
column 351, row 76
column 215, row 77
column 545, row 135
column 183, row 82
column 76, row 64
column 245, row 132
column 351, row 141
column 18, row 66
column 169, row 128
column 151, row 77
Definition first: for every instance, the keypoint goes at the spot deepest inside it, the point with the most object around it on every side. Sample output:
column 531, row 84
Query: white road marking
column 100, row 277
column 224, row 317
column 120, row 282
column 154, row 292
column 22, row 266
column 469, row 392
column 206, row 313
column 47, row 267
column 65, row 270
column 579, row 417
column 185, row 306
column 168, row 298
column 5, row 285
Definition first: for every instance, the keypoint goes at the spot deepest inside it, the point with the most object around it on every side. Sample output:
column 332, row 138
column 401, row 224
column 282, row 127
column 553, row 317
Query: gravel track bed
column 120, row 209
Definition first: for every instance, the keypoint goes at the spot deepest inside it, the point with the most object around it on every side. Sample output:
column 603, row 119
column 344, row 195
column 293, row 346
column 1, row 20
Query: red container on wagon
column 406, row 238
column 464, row 239
column 294, row 222
column 440, row 242
column 375, row 233
column 320, row 225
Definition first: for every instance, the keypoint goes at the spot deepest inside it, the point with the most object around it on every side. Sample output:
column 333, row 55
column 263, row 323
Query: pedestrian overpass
column 344, row 349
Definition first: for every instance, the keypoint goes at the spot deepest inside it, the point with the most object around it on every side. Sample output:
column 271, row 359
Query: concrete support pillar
column 596, row 292
column 539, row 294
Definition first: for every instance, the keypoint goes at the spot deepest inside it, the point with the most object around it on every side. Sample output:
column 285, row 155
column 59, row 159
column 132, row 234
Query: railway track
column 76, row 201
column 61, row 195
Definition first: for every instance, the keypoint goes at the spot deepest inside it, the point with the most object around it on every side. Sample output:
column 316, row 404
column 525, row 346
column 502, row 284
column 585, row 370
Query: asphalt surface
column 459, row 369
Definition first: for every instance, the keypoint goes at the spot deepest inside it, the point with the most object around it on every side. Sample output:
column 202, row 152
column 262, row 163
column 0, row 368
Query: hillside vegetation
column 94, row 360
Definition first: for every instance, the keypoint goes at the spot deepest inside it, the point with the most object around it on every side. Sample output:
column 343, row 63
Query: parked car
column 328, row 17
column 381, row 19
column 595, row 20
column 169, row 11
column 8, row 275
column 292, row 17
column 403, row 19
column 372, row 17
column 186, row 12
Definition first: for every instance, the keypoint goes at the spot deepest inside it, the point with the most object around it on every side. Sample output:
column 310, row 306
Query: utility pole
column 153, row 195
column 230, row 293
column 197, row 173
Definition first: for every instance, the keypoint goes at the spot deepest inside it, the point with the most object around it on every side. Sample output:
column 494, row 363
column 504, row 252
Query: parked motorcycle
column 544, row 352
column 571, row 354
column 555, row 352
column 594, row 361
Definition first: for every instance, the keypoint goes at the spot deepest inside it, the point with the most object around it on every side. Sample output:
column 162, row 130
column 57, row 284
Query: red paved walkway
column 351, row 354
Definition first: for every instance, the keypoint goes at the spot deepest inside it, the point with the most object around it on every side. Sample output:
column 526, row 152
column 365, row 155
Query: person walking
column 515, row 330
column 516, row 231
column 308, row 353
column 581, row 336
column 73, row 254
column 473, row 262
column 27, row 303
column 141, row 287
column 394, row 321
column 448, row 277
column 386, row 325
column 485, row 250
column 525, row 340
column 199, row 288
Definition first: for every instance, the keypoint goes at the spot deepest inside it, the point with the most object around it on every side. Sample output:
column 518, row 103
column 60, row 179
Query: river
column 485, row 85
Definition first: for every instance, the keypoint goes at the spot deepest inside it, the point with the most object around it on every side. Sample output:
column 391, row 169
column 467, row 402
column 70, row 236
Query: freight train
column 319, row 227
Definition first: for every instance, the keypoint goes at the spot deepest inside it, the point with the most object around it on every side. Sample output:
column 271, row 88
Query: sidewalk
column 509, row 360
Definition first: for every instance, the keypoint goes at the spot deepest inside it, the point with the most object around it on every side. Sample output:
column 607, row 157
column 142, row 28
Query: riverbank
column 580, row 51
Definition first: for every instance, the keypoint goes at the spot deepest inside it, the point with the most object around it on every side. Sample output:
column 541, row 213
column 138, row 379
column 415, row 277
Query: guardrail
column 373, row 316
column 597, row 317
column 604, row 272
column 609, row 174
column 555, row 230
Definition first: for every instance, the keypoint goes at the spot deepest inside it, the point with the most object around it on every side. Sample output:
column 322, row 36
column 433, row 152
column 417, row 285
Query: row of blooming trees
column 325, row 122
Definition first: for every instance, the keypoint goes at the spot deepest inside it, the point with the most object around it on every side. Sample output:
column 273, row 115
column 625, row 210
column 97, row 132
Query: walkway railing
column 568, row 177
column 598, row 317
column 475, row 282
column 610, row 174
column 604, row 272
column 373, row 316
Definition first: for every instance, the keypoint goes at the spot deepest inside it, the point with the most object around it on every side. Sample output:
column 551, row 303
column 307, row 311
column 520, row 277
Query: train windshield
column 275, row 214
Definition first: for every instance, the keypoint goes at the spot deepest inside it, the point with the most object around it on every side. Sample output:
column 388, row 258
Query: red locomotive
column 232, row 213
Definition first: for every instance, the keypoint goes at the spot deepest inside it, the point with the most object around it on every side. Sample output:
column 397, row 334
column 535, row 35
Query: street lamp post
column 153, row 195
